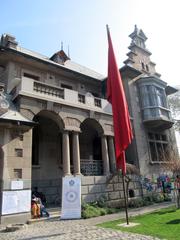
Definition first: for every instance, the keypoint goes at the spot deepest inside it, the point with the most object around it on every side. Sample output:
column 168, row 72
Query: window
column 28, row 75
column 158, row 145
column 81, row 98
column 143, row 66
column 17, row 173
column 147, row 68
column 97, row 102
column 152, row 96
column 160, row 97
column 66, row 86
column 19, row 152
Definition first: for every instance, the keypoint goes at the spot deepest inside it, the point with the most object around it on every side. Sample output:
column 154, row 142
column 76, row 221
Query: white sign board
column 16, row 184
column 71, row 198
column 16, row 202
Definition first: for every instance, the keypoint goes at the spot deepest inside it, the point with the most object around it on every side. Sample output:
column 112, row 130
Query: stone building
column 55, row 121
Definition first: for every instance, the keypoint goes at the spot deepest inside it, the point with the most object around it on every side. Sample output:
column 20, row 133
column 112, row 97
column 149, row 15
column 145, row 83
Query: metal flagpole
column 125, row 198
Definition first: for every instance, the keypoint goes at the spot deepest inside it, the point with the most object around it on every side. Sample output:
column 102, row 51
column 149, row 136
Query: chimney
column 8, row 41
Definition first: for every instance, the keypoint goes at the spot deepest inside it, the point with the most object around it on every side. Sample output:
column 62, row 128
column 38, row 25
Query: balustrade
column 50, row 90
column 91, row 167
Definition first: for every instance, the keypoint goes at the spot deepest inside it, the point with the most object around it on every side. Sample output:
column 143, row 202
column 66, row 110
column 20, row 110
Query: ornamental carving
column 109, row 127
column 27, row 113
column 72, row 122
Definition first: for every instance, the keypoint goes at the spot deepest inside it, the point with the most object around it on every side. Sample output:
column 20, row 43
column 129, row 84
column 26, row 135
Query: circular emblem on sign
column 71, row 196
column 71, row 182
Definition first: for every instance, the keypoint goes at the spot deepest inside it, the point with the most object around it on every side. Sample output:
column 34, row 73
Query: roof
column 138, row 33
column 15, row 116
column 8, row 111
column 84, row 70
column 70, row 65
column 170, row 90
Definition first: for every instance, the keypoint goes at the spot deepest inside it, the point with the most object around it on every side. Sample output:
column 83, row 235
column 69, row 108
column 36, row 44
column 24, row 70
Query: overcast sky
column 41, row 25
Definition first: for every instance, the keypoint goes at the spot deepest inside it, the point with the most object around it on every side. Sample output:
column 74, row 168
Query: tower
column 139, row 55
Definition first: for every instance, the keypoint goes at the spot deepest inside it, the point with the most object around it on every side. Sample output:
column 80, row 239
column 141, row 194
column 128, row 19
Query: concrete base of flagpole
column 131, row 224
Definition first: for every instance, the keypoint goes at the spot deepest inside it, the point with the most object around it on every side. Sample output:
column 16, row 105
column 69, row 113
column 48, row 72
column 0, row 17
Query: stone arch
column 93, row 123
column 90, row 147
column 47, row 154
column 53, row 116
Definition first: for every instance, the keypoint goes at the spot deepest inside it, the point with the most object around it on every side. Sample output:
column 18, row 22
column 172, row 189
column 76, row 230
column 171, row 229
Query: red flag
column 116, row 96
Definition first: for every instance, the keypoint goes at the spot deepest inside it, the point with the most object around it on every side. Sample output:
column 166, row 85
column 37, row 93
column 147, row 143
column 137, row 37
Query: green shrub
column 135, row 203
column 102, row 201
column 100, row 208
column 157, row 198
column 167, row 197
column 112, row 210
column 92, row 210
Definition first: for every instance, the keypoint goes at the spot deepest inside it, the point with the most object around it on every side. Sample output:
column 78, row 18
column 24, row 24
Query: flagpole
column 125, row 198
column 121, row 121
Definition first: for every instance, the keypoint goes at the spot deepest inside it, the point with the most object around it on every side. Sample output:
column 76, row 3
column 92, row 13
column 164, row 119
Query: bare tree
column 173, row 165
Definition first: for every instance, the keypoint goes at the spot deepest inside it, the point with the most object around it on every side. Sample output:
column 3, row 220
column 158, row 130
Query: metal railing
column 91, row 167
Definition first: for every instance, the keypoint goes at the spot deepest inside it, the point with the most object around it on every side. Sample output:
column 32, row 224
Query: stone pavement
column 55, row 229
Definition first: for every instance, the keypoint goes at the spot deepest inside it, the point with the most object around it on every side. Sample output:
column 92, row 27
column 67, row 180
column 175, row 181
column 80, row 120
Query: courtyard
column 54, row 228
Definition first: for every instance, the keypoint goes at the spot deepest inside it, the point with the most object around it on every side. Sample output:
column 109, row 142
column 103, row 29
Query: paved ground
column 55, row 229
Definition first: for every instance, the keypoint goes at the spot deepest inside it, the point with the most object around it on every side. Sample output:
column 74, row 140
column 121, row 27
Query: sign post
column 71, row 198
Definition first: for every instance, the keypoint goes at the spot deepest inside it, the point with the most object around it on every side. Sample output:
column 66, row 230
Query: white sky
column 42, row 25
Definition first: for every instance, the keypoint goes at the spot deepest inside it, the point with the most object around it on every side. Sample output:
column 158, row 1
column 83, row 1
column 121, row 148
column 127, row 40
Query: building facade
column 63, row 124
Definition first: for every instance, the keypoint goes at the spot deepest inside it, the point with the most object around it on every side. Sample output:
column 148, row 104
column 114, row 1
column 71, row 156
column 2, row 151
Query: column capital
column 76, row 131
column 72, row 129
column 65, row 131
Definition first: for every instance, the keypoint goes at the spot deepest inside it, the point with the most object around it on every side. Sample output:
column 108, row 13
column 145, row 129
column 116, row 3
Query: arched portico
column 47, row 157
column 94, row 149
column 62, row 147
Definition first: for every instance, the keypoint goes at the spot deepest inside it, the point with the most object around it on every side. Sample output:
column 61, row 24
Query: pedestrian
column 39, row 195
column 35, row 207
column 43, row 210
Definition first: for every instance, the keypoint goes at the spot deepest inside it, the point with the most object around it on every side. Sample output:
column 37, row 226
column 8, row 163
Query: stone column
column 76, row 154
column 105, row 156
column 66, row 154
column 112, row 156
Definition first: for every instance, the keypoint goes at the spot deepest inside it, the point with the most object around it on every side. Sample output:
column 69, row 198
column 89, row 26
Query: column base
column 67, row 174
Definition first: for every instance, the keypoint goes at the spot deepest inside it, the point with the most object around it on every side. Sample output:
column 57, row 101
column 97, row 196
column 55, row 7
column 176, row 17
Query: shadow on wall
column 1, row 174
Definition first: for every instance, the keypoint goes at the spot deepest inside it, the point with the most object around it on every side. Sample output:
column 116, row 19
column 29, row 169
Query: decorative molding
column 72, row 124
column 27, row 113
column 108, row 129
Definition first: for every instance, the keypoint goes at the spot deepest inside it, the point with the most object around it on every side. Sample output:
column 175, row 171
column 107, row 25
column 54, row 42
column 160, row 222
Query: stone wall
column 51, row 188
column 94, row 187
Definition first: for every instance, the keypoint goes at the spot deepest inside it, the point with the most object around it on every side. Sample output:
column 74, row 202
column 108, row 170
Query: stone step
column 53, row 212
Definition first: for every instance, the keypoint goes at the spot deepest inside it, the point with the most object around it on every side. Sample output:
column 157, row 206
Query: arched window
column 143, row 66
